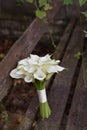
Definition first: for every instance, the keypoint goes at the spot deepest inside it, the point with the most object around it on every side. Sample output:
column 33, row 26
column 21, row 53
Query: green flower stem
column 45, row 110
column 39, row 84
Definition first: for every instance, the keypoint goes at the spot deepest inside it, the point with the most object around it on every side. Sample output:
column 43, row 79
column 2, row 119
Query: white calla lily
column 39, row 75
column 15, row 74
column 54, row 69
column 28, row 78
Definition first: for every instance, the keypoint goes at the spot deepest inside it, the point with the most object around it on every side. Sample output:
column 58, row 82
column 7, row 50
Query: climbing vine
column 41, row 6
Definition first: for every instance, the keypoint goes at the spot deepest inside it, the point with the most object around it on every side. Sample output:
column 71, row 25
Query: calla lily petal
column 14, row 74
column 20, row 72
column 54, row 69
column 28, row 78
column 59, row 68
column 45, row 58
column 51, row 69
column 54, row 62
column 23, row 62
column 30, row 69
column 36, row 57
column 39, row 75
column 33, row 62
column 57, row 61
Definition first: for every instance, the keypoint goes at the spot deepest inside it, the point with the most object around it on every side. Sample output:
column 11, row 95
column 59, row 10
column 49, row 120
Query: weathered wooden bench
column 67, row 92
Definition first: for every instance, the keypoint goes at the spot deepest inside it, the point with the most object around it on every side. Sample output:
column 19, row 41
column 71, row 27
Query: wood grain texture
column 78, row 114
column 23, row 47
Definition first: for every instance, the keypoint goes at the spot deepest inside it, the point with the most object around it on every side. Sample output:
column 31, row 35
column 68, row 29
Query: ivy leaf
column 30, row 1
column 68, row 2
column 47, row 7
column 82, row 2
column 42, row 2
column 40, row 14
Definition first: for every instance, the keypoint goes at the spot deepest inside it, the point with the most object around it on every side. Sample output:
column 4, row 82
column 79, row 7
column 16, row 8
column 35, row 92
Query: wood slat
column 61, row 86
column 78, row 113
column 30, row 114
column 23, row 47
column 64, row 40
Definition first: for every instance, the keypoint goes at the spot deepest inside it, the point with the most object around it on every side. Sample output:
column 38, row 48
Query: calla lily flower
column 29, row 78
column 39, row 75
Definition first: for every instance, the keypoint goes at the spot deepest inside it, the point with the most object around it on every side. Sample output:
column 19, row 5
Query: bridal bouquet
column 37, row 70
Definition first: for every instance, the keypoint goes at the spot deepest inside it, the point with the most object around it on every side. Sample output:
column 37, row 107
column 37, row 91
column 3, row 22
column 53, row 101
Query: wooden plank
column 78, row 113
column 61, row 86
column 23, row 47
column 30, row 113
column 64, row 40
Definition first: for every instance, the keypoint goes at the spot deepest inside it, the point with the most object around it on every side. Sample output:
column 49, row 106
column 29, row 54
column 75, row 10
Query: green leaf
column 82, row 2
column 40, row 14
column 68, row 2
column 42, row 2
column 47, row 7
column 30, row 1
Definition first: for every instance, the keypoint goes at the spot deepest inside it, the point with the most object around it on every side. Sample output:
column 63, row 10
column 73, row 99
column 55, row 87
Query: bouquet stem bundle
column 45, row 110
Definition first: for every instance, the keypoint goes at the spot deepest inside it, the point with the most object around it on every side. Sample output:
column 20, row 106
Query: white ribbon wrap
column 42, row 95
